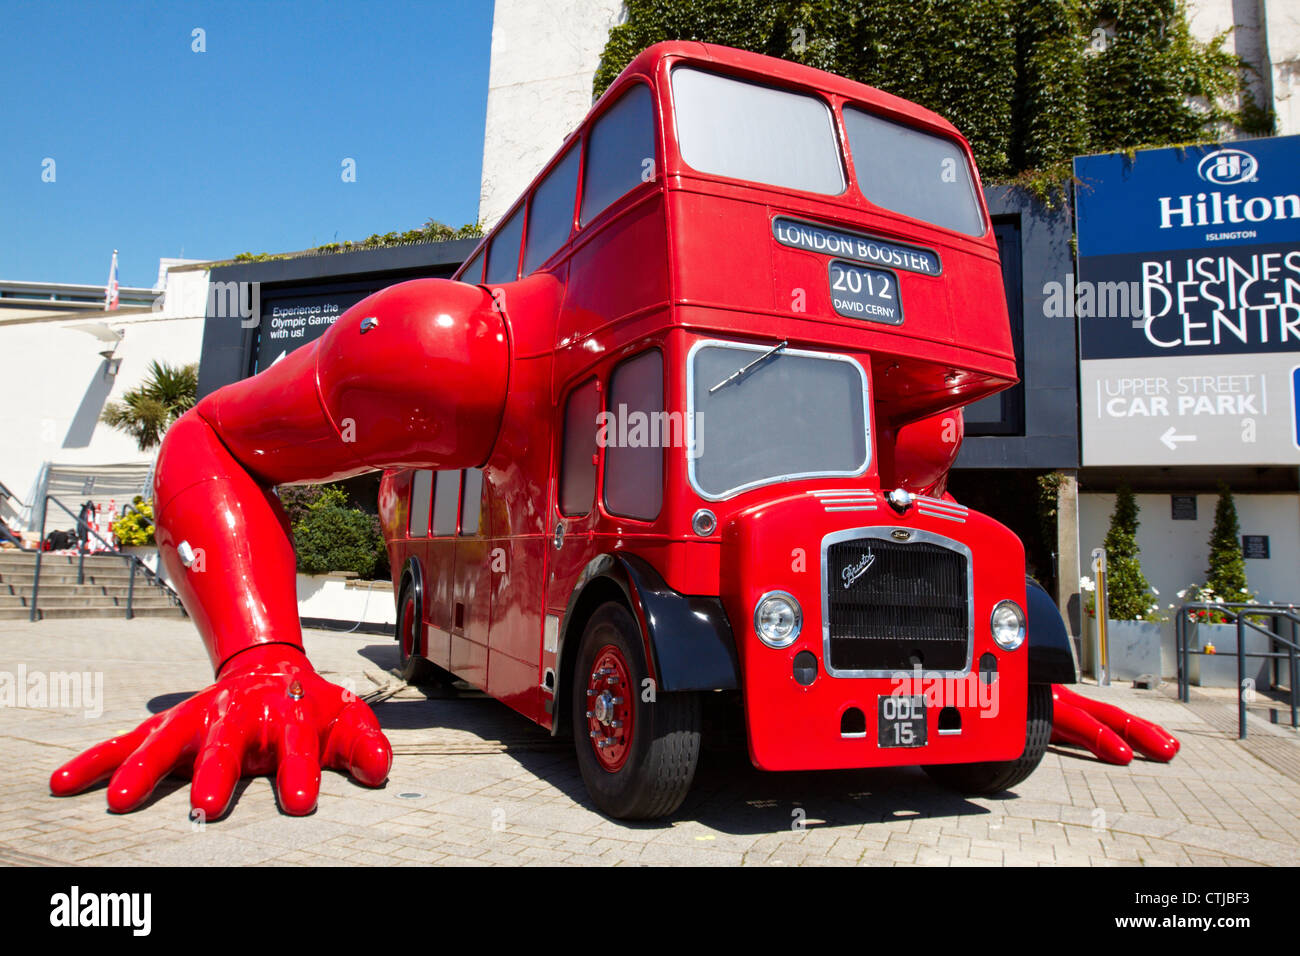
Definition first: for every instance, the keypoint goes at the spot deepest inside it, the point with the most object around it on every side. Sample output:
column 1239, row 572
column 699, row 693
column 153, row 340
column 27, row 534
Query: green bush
column 330, row 536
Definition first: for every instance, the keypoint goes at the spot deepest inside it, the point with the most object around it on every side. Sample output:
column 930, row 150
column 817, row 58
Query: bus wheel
column 996, row 776
column 410, row 626
column 637, row 750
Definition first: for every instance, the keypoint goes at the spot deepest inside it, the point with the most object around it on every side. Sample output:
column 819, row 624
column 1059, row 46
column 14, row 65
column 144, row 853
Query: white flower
column 1086, row 583
column 1139, row 617
column 1243, row 590
column 1154, row 591
column 1182, row 593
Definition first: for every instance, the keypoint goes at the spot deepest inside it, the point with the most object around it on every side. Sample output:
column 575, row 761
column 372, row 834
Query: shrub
column 330, row 536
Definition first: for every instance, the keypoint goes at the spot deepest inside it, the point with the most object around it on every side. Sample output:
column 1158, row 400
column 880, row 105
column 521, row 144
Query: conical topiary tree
column 1226, row 576
column 1128, row 593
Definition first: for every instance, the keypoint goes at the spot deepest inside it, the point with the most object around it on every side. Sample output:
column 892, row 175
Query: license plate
column 902, row 721
column 862, row 293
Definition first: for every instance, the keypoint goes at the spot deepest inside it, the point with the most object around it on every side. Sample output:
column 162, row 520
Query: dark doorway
column 1011, row 496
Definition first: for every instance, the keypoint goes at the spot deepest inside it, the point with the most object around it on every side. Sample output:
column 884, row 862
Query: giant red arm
column 413, row 376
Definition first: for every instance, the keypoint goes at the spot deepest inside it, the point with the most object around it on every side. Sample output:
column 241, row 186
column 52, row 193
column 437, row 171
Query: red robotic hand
column 269, row 711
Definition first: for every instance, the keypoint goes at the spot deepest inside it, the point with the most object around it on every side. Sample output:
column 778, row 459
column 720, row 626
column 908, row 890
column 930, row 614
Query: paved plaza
column 475, row 784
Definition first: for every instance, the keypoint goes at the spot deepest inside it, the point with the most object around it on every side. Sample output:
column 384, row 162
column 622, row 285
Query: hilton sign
column 1203, row 368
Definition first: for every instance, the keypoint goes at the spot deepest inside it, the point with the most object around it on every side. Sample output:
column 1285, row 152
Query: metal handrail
column 132, row 561
column 1241, row 614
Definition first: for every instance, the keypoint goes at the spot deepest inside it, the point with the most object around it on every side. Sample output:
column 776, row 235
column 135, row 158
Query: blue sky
column 158, row 149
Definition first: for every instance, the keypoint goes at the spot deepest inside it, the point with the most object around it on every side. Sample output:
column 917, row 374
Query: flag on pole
column 110, row 294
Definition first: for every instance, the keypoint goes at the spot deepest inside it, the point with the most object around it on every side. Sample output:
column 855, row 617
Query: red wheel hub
column 609, row 708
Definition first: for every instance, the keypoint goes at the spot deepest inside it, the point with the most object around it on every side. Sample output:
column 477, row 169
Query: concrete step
column 21, row 614
column 23, row 580
column 66, row 590
column 150, row 598
column 10, row 558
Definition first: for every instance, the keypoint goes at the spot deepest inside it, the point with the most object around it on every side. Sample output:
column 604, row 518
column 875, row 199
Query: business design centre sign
column 1188, row 304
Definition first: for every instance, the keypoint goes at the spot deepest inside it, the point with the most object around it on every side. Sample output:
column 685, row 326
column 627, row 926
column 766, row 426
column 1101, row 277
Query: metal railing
column 1242, row 615
column 83, row 530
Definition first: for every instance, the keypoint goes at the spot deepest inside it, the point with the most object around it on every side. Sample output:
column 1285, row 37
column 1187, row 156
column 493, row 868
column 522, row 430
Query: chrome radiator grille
column 892, row 606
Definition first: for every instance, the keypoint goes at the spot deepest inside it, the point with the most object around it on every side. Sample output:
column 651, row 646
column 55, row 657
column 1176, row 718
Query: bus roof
column 782, row 72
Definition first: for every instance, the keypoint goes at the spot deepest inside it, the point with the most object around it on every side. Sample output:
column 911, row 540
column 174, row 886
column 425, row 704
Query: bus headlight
column 777, row 619
column 1008, row 625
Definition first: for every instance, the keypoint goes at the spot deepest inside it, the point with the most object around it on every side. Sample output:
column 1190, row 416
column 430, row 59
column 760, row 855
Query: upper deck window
column 912, row 172
column 472, row 272
column 744, row 130
column 620, row 152
column 503, row 254
column 550, row 215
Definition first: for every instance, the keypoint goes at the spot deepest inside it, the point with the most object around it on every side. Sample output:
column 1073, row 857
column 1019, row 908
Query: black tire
column 996, row 776
column 665, row 738
column 410, row 627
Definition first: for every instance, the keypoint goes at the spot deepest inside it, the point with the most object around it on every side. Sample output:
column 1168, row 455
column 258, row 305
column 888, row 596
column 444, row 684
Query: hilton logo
column 1227, row 167
column 855, row 571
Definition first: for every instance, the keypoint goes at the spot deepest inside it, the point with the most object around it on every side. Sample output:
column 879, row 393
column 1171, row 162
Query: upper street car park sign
column 1188, row 304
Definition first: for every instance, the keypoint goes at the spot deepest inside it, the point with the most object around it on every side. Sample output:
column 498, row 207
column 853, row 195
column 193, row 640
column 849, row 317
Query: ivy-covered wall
column 1031, row 83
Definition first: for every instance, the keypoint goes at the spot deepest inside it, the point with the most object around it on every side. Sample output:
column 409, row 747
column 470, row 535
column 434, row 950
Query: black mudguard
column 688, row 638
column 1051, row 649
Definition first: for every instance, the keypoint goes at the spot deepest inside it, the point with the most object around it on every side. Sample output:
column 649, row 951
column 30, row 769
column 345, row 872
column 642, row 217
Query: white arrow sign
column 1171, row 440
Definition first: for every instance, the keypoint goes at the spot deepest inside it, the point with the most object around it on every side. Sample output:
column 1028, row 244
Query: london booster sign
column 1188, row 304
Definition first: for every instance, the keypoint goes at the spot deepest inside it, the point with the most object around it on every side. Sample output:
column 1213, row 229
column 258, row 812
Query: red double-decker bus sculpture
column 678, row 436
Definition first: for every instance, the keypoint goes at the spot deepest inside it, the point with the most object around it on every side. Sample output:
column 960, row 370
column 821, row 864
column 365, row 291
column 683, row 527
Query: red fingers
column 358, row 746
column 297, row 782
column 162, row 750
column 99, row 762
column 218, row 767
column 1072, row 725
column 272, row 715
column 1149, row 739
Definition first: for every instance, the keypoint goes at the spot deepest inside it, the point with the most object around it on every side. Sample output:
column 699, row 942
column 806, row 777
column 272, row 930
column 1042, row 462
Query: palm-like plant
column 147, row 410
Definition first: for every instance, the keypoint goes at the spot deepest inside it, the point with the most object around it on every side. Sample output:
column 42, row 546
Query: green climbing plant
column 1031, row 83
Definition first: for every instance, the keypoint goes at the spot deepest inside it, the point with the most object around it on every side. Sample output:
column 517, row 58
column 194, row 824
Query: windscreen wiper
column 740, row 373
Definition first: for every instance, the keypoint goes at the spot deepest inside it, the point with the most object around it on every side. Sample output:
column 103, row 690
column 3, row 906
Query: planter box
column 1220, row 669
column 1134, row 649
column 148, row 555
column 338, row 597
